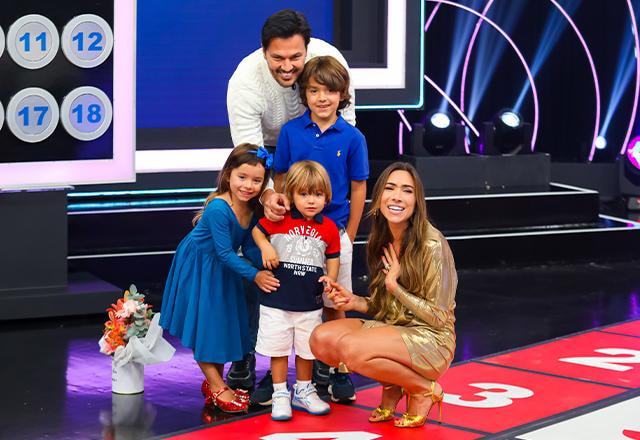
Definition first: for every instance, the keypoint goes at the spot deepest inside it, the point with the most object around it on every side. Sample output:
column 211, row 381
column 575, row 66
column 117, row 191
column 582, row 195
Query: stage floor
column 56, row 385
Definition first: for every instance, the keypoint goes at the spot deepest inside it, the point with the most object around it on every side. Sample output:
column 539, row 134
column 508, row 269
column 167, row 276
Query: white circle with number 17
column 33, row 41
column 87, row 40
column 86, row 113
column 32, row 114
column 1, row 41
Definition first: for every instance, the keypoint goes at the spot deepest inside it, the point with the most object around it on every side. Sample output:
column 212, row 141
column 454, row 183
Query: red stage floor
column 585, row 386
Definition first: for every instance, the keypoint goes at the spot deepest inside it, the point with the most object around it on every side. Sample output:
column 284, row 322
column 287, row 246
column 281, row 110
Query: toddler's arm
column 269, row 255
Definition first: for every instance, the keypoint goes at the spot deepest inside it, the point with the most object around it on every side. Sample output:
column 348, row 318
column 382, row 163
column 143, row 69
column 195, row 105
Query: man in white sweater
column 262, row 97
column 262, row 94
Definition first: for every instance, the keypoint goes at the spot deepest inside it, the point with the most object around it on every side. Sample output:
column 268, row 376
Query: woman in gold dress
column 410, row 341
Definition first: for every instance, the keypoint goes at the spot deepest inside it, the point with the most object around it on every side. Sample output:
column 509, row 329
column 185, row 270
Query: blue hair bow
column 262, row 153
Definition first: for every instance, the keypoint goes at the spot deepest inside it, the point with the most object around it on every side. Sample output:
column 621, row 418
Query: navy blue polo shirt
column 341, row 149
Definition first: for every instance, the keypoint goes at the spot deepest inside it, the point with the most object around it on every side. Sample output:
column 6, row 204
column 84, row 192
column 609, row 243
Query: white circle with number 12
column 32, row 114
column 33, row 41
column 87, row 40
column 1, row 41
column 86, row 113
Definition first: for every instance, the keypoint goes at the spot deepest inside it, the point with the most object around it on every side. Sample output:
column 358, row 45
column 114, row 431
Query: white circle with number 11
column 32, row 114
column 87, row 40
column 33, row 41
column 86, row 113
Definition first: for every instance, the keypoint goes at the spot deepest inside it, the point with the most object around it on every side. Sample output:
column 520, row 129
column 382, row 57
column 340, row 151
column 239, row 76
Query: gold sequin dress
column 426, row 320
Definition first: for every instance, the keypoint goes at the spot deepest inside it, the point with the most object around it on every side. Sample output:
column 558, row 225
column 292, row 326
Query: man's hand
column 275, row 205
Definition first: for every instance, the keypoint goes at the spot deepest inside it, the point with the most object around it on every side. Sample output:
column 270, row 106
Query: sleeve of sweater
column 244, row 107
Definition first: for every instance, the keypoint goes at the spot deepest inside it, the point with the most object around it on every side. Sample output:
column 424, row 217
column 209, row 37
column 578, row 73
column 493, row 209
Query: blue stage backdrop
column 188, row 49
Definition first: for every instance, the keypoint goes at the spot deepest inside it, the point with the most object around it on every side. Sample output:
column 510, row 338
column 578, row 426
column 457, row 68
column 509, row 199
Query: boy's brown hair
column 328, row 71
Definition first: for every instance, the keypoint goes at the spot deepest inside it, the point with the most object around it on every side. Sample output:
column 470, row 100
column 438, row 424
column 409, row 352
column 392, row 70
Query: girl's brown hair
column 414, row 255
column 328, row 71
column 240, row 155
column 309, row 176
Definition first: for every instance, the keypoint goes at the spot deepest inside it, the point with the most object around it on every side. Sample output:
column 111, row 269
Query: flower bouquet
column 134, row 339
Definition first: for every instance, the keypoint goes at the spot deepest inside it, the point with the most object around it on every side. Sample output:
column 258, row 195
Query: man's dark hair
column 285, row 24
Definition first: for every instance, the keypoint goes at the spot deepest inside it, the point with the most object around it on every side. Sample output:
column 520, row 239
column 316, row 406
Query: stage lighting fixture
column 601, row 143
column 436, row 135
column 630, row 174
column 506, row 134
column 440, row 120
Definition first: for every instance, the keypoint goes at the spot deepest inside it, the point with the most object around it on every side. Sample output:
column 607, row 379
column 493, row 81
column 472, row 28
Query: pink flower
column 128, row 308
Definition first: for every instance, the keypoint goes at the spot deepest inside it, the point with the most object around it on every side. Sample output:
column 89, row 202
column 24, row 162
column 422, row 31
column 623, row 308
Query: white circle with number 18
column 87, row 40
column 1, row 41
column 33, row 41
column 32, row 114
column 86, row 113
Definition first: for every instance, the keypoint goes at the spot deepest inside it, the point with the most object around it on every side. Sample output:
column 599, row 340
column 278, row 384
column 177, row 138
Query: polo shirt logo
column 339, row 153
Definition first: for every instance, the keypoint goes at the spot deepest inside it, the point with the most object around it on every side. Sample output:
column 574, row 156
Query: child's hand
column 269, row 257
column 342, row 299
column 266, row 281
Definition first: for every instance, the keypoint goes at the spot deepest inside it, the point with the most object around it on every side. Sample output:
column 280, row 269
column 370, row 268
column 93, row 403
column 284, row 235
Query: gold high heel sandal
column 415, row 421
column 381, row 414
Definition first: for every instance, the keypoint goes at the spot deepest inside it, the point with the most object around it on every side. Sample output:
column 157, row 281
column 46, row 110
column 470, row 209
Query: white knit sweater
column 258, row 106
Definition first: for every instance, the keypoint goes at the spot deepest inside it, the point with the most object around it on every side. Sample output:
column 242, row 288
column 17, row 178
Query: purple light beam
column 534, row 90
column 465, row 66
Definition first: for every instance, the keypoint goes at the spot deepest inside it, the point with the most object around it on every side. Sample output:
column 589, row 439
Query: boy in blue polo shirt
column 322, row 135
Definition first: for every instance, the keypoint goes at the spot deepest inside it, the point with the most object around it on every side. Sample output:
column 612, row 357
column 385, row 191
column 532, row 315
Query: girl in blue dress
column 204, row 302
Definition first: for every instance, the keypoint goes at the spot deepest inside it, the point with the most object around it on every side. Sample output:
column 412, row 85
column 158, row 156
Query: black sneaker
column 242, row 374
column 341, row 388
column 262, row 394
column 320, row 374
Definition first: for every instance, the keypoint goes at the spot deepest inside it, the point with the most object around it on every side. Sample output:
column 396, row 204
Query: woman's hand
column 269, row 257
column 266, row 281
column 391, row 267
column 342, row 299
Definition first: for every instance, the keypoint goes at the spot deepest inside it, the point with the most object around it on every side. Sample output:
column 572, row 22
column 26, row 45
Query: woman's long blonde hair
column 414, row 255
column 243, row 153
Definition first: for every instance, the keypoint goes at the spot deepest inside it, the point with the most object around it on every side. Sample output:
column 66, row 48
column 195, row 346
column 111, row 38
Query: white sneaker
column 281, row 405
column 307, row 399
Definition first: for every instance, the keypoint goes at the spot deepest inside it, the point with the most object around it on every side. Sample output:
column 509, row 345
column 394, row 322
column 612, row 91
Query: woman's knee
column 351, row 352
column 320, row 341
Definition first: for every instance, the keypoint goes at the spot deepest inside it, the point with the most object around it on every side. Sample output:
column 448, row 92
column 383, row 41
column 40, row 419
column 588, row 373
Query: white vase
column 127, row 379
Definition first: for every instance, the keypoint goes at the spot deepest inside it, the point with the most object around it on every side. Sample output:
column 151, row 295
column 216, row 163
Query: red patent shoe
column 208, row 398
column 233, row 406
column 241, row 394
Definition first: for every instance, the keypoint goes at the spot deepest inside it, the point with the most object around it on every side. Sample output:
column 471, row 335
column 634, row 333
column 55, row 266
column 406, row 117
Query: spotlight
column 629, row 177
column 440, row 120
column 506, row 134
column 601, row 143
column 510, row 119
column 633, row 153
column 437, row 135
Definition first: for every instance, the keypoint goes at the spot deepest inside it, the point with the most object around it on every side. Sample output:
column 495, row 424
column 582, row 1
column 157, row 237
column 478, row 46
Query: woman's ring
column 387, row 266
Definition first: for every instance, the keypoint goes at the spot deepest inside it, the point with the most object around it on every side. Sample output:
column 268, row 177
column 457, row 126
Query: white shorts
column 344, row 275
column 280, row 330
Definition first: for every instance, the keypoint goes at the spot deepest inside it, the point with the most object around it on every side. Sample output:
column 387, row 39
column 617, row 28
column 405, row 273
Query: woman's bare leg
column 325, row 337
column 381, row 354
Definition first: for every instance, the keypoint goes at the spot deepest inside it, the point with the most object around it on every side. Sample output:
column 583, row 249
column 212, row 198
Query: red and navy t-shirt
column 302, row 246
